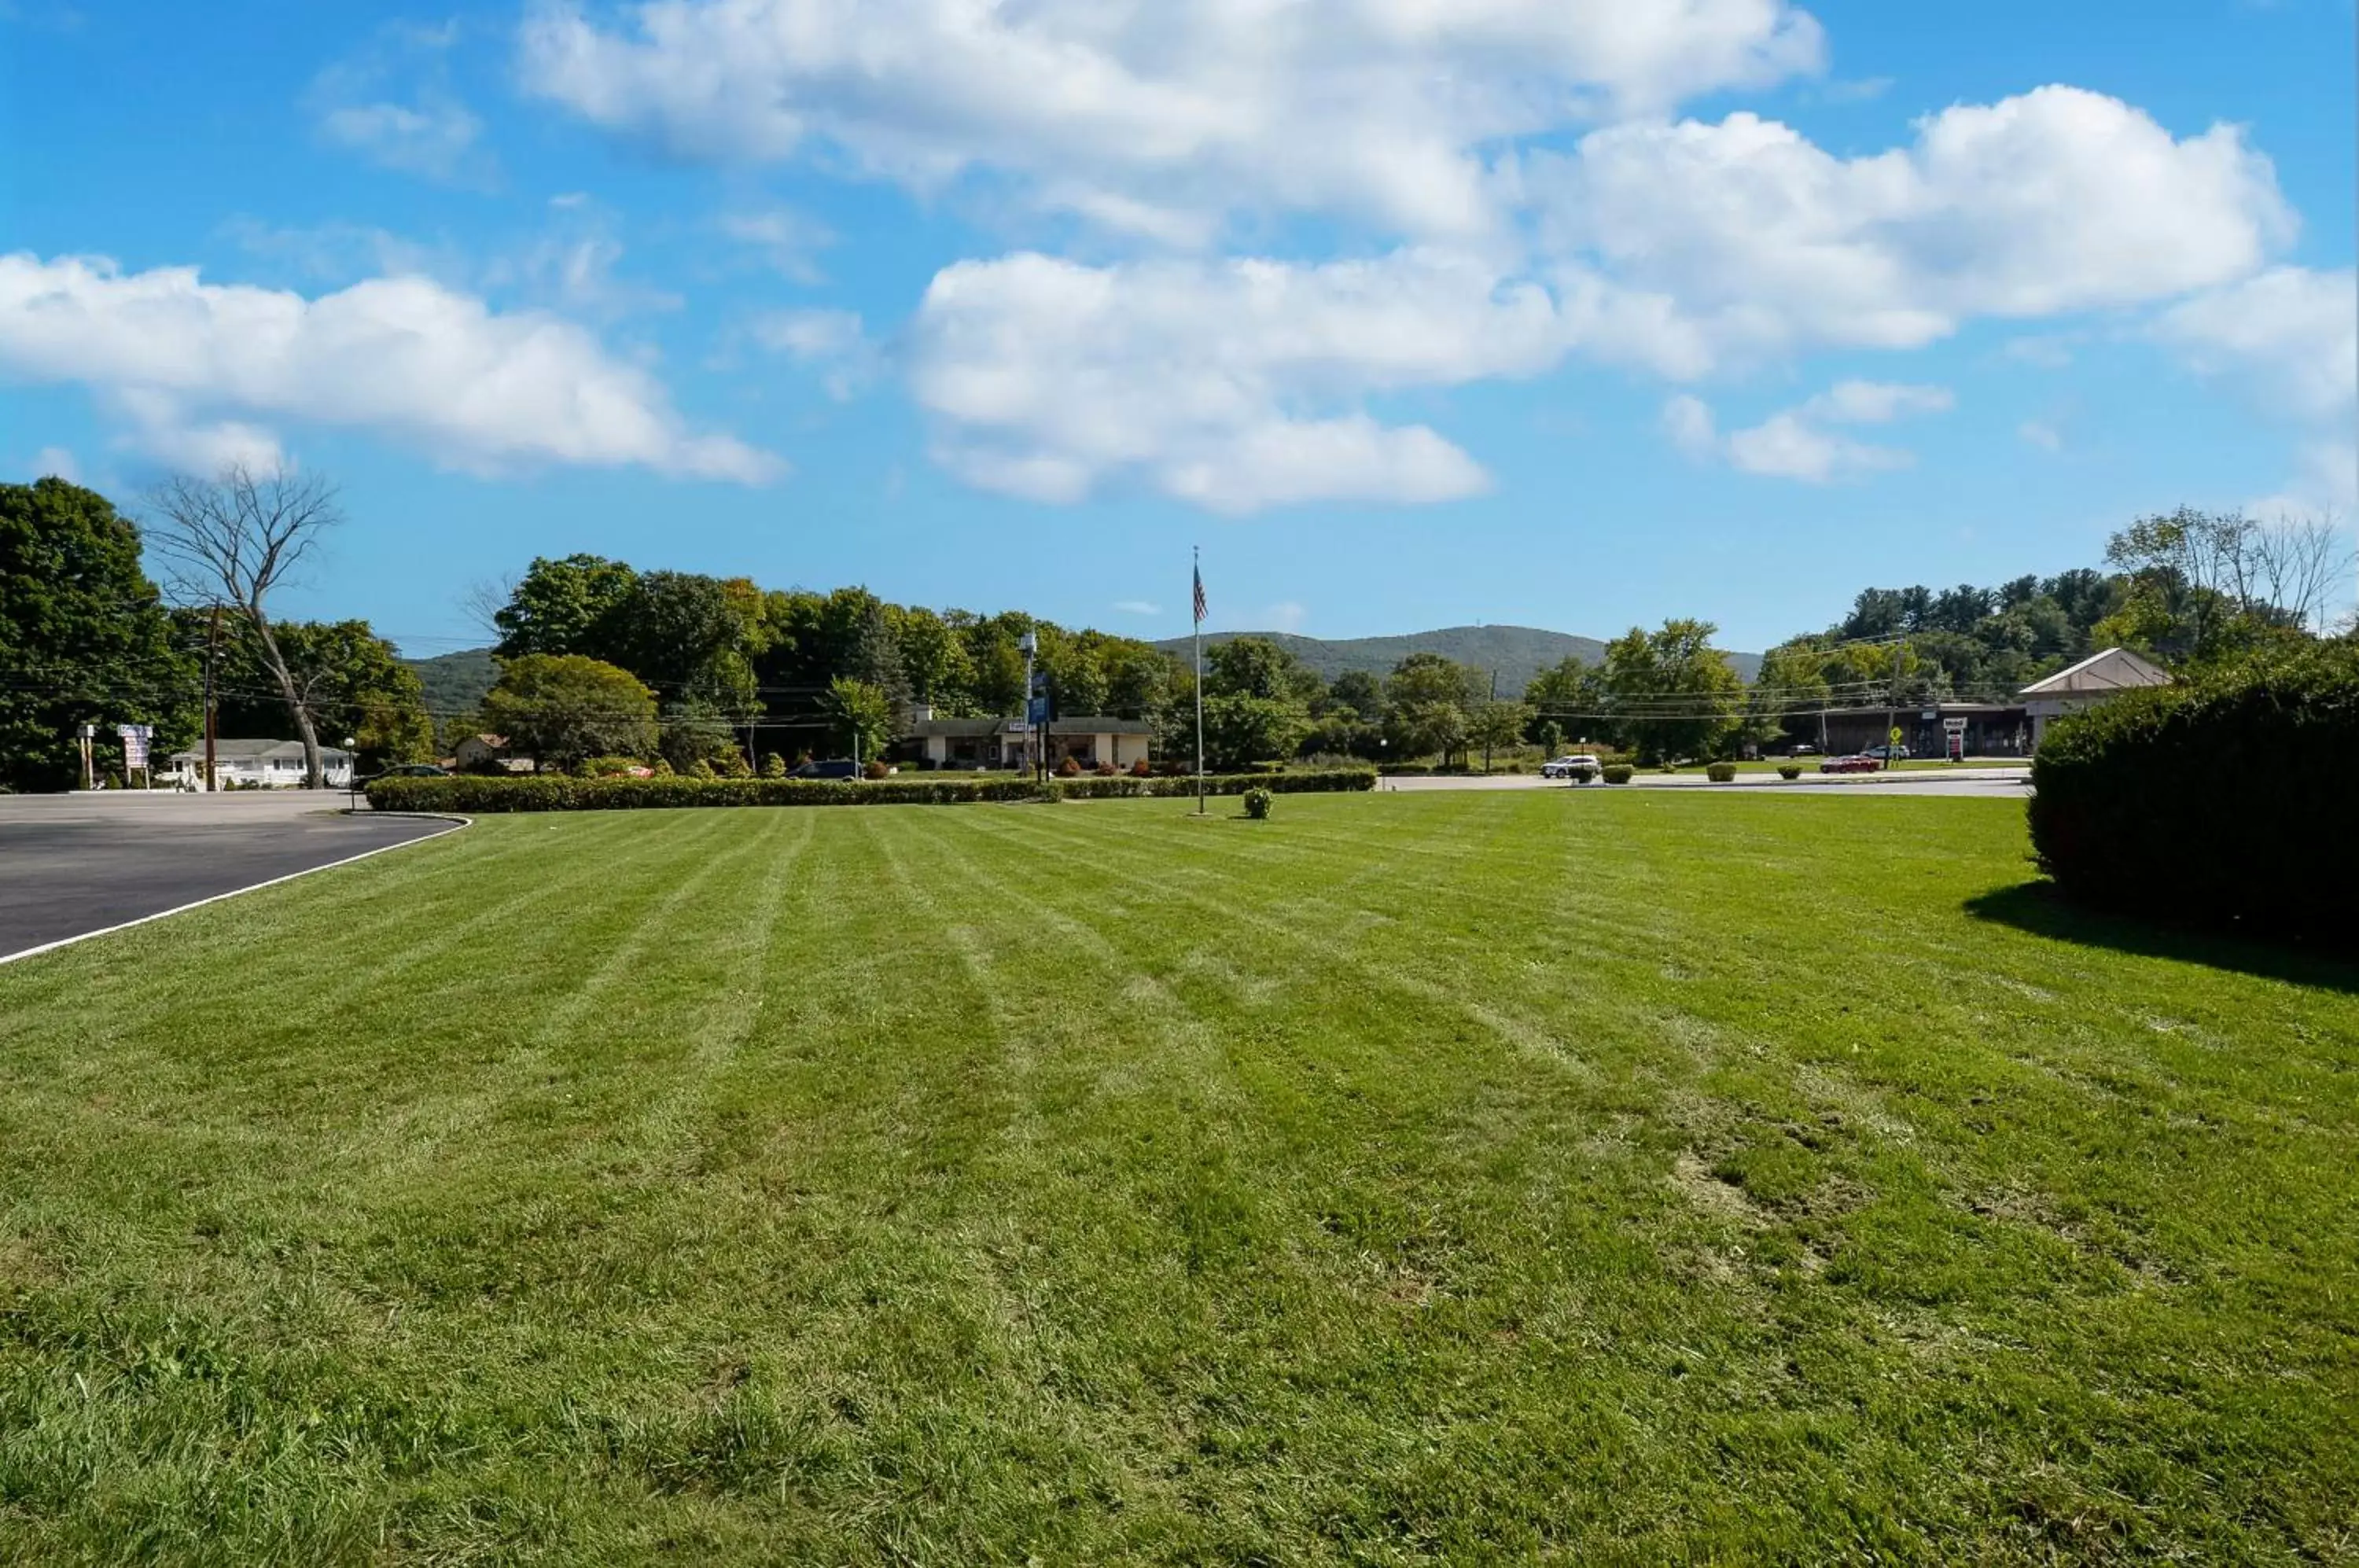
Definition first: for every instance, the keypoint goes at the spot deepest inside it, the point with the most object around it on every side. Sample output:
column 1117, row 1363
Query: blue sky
column 1566, row 313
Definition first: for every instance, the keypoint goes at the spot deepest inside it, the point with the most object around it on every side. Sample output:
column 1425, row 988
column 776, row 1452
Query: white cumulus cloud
column 202, row 371
column 1797, row 442
column 2054, row 202
column 2289, row 335
column 1147, row 119
column 1235, row 385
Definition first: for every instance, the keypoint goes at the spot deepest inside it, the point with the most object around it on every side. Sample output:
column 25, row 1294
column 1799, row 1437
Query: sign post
column 135, row 752
column 1954, row 732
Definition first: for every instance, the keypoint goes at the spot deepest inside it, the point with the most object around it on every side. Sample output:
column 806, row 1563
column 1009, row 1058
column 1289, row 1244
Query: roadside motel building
column 1000, row 743
column 1991, row 729
column 259, row 764
column 2094, row 679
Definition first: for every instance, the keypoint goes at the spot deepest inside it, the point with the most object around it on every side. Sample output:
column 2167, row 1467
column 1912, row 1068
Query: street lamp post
column 351, row 775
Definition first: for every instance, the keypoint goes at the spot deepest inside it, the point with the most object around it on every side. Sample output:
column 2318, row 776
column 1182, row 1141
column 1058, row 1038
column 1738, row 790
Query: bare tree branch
column 483, row 601
column 234, row 539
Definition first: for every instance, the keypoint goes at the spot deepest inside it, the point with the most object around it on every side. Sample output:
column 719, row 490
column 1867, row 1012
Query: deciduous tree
column 236, row 539
column 562, row 707
column 84, row 637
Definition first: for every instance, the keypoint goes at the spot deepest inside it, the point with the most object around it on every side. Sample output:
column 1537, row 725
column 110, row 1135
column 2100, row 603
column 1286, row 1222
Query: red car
column 1859, row 762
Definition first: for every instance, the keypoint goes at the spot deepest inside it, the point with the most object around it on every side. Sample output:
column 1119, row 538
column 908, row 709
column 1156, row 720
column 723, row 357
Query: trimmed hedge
column 554, row 792
column 1720, row 772
column 2229, row 797
column 1616, row 773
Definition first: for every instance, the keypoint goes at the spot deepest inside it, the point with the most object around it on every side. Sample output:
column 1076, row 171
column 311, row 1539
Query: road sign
column 1896, row 735
column 1038, row 711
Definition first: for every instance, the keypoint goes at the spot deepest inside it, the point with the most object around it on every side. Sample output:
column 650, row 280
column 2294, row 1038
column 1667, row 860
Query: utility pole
column 1892, row 713
column 1030, row 644
column 1196, row 643
column 212, row 653
column 1486, row 723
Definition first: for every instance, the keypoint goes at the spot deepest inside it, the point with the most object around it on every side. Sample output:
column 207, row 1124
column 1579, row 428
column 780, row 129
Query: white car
column 1580, row 766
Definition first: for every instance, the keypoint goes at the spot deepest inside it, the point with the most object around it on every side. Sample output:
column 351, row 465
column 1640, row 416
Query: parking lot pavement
column 72, row 865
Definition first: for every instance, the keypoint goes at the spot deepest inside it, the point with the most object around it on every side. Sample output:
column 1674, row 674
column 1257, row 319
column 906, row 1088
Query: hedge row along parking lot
column 483, row 796
column 2231, row 797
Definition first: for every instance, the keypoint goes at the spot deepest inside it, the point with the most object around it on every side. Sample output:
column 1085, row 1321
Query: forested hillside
column 1518, row 653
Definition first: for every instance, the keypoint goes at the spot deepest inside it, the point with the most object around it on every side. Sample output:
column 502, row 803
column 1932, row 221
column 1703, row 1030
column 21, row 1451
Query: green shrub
column 551, row 792
column 2226, row 799
column 773, row 767
column 1720, row 772
column 607, row 766
column 1615, row 773
column 1257, row 799
column 1788, row 771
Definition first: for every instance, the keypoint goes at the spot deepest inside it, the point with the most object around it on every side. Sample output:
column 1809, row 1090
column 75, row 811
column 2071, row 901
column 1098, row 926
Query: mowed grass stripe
column 1092, row 1184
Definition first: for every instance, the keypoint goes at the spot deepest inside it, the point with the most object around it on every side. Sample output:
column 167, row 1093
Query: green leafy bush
column 773, row 767
column 2227, row 798
column 1257, row 801
column 1788, row 771
column 1615, row 773
column 550, row 793
column 1720, row 772
column 607, row 766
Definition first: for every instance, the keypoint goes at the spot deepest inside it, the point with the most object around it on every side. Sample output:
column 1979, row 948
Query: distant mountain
column 455, row 682
column 1518, row 653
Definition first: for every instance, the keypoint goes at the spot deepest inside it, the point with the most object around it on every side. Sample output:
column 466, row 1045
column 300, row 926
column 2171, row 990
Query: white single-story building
column 259, row 764
column 1001, row 743
column 2093, row 681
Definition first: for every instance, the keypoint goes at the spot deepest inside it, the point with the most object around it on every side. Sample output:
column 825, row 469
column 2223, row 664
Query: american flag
column 1200, row 595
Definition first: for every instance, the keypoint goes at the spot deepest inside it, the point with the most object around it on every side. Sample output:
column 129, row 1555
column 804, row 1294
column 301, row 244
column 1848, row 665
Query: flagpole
column 1195, row 602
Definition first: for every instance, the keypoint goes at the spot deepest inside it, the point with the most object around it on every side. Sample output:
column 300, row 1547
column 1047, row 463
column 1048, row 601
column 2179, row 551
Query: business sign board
column 135, row 743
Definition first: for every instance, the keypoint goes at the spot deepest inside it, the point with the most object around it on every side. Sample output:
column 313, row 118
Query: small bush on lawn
column 875, row 769
column 1616, row 773
column 1069, row 768
column 1720, row 772
column 2226, row 798
column 1789, row 771
column 1142, row 768
column 773, row 767
column 1257, row 801
column 1105, row 770
column 551, row 792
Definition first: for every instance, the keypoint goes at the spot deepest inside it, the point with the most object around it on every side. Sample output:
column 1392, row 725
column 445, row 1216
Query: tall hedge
column 474, row 796
column 2233, row 797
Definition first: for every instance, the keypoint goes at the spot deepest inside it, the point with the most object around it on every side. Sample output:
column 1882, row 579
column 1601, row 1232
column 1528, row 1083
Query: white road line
column 456, row 824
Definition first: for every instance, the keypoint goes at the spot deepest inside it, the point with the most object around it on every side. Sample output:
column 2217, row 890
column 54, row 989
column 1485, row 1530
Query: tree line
column 599, row 657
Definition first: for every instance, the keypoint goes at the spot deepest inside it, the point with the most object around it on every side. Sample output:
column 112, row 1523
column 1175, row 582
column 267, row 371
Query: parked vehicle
column 1858, row 762
column 1805, row 749
column 833, row 767
column 1887, row 753
column 1580, row 766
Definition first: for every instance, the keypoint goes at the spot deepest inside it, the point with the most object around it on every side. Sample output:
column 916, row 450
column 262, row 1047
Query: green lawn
column 1411, row 1178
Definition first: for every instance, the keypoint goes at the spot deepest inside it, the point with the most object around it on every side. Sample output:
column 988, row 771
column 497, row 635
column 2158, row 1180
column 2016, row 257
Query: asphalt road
column 72, row 865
